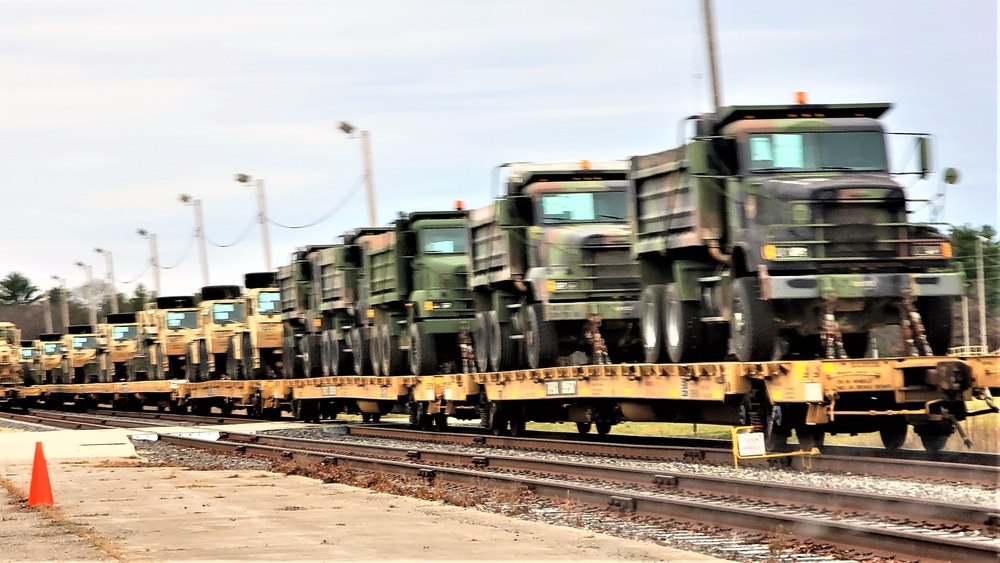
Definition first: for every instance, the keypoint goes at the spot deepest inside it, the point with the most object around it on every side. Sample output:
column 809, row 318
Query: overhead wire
column 183, row 257
column 239, row 239
column 339, row 205
column 136, row 278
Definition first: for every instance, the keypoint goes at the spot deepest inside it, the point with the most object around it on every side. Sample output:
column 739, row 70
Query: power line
column 138, row 276
column 183, row 257
column 340, row 204
column 239, row 239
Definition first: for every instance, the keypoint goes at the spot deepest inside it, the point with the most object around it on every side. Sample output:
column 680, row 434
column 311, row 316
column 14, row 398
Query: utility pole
column 965, row 320
column 265, row 236
column 64, row 298
column 710, row 42
column 48, row 314
column 90, row 293
column 153, row 257
column 366, row 154
column 111, row 278
column 982, row 291
column 199, row 231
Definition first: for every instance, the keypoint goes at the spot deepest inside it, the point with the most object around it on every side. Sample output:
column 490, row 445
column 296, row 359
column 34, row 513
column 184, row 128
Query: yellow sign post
column 750, row 445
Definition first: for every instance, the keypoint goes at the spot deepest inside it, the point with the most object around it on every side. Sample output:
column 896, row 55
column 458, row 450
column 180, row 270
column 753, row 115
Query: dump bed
column 498, row 251
column 669, row 205
column 338, row 278
column 386, row 262
column 295, row 282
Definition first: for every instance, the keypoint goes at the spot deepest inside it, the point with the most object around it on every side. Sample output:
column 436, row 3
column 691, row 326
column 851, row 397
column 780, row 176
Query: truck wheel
column 651, row 304
column 341, row 363
column 855, row 344
column 503, row 351
column 248, row 357
column 360, row 346
column 423, row 354
column 752, row 324
column 288, row 357
column 190, row 368
column 232, row 363
column 377, row 350
column 311, row 366
column 156, row 370
column 482, row 343
column 935, row 312
column 203, row 370
column 540, row 338
column 393, row 359
column 682, row 330
column 326, row 352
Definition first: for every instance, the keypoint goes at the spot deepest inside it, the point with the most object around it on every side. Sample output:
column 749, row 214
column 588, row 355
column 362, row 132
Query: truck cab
column 53, row 350
column 255, row 352
column 223, row 314
column 85, row 347
column 168, row 326
column 31, row 355
column 10, row 362
column 122, row 333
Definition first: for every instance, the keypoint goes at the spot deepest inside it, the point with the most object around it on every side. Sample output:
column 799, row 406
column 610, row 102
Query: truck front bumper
column 861, row 286
column 609, row 310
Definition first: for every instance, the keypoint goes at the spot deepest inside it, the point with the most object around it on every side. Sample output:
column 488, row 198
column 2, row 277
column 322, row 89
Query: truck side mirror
column 924, row 148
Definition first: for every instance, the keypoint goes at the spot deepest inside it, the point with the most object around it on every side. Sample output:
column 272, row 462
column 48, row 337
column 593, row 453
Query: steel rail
column 944, row 471
column 836, row 500
column 887, row 540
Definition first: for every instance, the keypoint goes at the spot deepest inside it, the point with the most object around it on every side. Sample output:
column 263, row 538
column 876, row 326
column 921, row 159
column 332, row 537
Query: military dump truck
column 85, row 348
column 415, row 291
column 300, row 315
column 10, row 360
column 781, row 228
column 255, row 351
column 121, row 331
column 552, row 276
column 31, row 357
column 51, row 365
column 223, row 315
column 168, row 326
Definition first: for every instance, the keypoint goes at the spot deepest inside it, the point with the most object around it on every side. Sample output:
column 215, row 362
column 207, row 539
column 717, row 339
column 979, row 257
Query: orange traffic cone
column 41, row 490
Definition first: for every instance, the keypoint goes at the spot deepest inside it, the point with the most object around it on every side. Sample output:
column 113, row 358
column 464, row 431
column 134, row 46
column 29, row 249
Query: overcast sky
column 109, row 111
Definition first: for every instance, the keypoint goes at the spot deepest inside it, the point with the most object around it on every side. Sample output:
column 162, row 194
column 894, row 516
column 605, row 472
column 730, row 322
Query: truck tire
column 360, row 354
column 503, row 354
column 156, row 371
column 311, row 364
column 651, row 307
column 203, row 370
column 752, row 326
column 247, row 357
column 326, row 352
column 682, row 329
column 377, row 350
column 288, row 357
column 393, row 359
column 423, row 353
column 541, row 340
column 482, row 343
column 232, row 362
column 190, row 368
column 342, row 364
column 935, row 312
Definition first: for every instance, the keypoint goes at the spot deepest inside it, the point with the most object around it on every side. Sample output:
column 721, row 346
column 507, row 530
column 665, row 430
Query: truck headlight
column 942, row 249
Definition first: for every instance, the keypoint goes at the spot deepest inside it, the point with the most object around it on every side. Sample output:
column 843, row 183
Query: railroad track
column 981, row 469
column 113, row 419
column 922, row 529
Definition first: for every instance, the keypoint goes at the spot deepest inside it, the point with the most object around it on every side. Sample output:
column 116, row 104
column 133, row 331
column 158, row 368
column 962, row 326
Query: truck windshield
column 223, row 313
column 583, row 207
column 53, row 348
column 84, row 343
column 27, row 353
column 835, row 150
column 267, row 302
column 449, row 240
column 124, row 332
column 182, row 319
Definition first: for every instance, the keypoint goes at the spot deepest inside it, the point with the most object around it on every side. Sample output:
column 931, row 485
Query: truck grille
column 611, row 268
column 860, row 230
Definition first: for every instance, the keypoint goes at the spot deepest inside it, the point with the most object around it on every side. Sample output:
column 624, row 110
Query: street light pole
column 64, row 297
column 90, row 292
column 982, row 291
column 265, row 236
column 153, row 257
column 48, row 313
column 366, row 153
column 199, row 230
column 111, row 278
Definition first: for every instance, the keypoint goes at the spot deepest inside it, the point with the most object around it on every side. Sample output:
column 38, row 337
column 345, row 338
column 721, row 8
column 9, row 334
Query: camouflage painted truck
column 124, row 361
column 85, row 348
column 31, row 357
column 551, row 272
column 223, row 315
column 51, row 365
column 415, row 287
column 255, row 351
column 168, row 326
column 10, row 357
column 782, row 229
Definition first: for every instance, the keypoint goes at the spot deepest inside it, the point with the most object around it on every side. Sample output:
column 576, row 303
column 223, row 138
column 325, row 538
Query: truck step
column 714, row 320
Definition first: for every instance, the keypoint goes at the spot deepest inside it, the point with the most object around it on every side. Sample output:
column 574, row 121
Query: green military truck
column 300, row 314
column 551, row 272
column 414, row 288
column 342, row 313
column 781, row 231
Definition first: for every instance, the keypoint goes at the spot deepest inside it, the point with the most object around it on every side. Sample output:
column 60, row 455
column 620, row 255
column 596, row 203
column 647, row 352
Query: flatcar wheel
column 651, row 304
column 377, row 417
column 517, row 422
column 810, row 437
column 934, row 437
column 603, row 427
column 583, row 427
column 893, row 433
column 481, row 342
column 365, row 417
column 441, row 421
